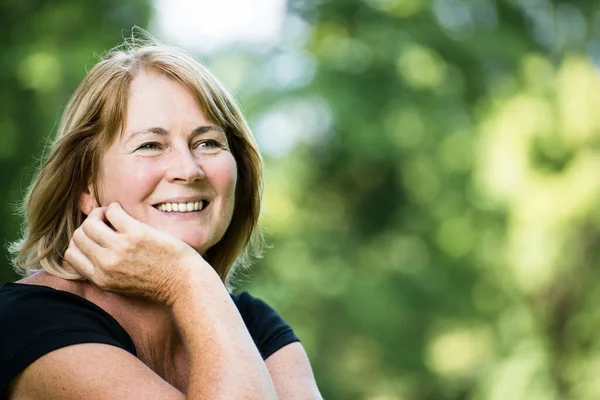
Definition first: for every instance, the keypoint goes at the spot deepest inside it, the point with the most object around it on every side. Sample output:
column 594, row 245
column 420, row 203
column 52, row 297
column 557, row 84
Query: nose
column 184, row 167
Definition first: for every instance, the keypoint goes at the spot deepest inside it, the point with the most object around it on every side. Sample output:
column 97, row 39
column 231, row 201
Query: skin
column 170, row 152
column 145, row 268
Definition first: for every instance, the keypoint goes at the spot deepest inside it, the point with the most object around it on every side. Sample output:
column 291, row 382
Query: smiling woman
column 149, row 198
column 169, row 155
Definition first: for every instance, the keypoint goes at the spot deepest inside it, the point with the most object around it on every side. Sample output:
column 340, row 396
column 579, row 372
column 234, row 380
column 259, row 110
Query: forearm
column 224, row 362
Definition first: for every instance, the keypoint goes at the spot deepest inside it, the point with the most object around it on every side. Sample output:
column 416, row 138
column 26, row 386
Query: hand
column 133, row 258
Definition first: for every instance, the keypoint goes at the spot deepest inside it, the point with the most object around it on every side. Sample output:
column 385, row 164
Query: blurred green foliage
column 432, row 183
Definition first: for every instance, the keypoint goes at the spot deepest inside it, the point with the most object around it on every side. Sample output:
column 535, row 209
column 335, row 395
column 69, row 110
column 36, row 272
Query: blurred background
column 432, row 181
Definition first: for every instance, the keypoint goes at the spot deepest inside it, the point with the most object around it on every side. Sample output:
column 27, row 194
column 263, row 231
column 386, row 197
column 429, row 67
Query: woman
column 150, row 195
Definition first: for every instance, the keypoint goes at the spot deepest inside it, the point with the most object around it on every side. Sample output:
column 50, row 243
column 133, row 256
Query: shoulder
column 37, row 320
column 34, row 309
column 284, row 356
column 268, row 329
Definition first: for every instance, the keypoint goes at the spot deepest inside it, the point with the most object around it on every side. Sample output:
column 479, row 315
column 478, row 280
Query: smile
column 181, row 207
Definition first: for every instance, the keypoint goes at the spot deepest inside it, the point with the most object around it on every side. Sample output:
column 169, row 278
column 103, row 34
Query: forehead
column 157, row 100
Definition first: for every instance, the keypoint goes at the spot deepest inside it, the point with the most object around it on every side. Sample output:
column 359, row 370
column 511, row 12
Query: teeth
column 181, row 207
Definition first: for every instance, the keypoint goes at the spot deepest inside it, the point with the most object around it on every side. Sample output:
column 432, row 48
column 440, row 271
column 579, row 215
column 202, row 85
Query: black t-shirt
column 35, row 320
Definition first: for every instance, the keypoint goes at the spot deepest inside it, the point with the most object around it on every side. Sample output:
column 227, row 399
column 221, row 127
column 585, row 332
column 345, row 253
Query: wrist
column 196, row 280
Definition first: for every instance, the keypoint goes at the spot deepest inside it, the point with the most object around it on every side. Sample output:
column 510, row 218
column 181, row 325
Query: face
column 171, row 168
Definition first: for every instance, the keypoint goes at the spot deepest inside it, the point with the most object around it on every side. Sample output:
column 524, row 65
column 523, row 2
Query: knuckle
column 84, row 228
column 78, row 233
column 112, row 209
column 137, row 236
column 68, row 256
column 101, row 280
column 110, row 263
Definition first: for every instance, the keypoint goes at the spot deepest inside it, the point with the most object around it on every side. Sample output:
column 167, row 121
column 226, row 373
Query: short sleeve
column 36, row 320
column 268, row 330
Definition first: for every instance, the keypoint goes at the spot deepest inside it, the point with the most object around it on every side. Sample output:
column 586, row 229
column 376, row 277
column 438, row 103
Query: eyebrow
column 157, row 130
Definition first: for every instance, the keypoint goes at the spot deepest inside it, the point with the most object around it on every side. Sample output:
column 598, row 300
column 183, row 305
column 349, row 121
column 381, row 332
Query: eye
column 208, row 145
column 150, row 146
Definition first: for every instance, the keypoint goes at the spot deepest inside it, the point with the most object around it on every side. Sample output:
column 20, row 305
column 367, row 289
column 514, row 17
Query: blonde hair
column 93, row 117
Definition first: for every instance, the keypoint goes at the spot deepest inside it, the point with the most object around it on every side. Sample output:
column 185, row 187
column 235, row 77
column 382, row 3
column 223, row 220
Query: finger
column 118, row 217
column 99, row 213
column 78, row 261
column 97, row 229
column 87, row 246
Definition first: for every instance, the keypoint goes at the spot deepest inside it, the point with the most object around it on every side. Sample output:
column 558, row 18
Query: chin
column 201, row 246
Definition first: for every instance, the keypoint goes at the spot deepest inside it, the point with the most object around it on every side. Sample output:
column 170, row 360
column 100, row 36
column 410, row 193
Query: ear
column 88, row 202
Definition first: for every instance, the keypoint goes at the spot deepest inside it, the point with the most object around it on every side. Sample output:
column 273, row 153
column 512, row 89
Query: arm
column 138, row 260
column 284, row 355
column 90, row 371
column 98, row 371
column 223, row 352
column 292, row 375
column 115, row 373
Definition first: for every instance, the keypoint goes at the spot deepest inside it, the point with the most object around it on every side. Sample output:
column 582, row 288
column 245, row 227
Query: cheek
column 128, row 184
column 225, row 178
